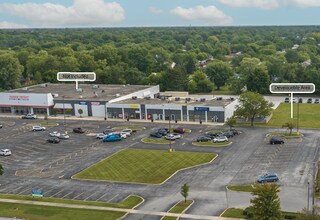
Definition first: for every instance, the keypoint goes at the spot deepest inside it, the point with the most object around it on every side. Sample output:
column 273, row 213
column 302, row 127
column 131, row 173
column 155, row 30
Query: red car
column 179, row 130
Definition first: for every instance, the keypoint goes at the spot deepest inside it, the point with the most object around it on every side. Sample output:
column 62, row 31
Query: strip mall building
column 115, row 101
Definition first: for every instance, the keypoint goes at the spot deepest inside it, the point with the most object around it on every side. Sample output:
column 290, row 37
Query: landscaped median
column 143, row 166
column 147, row 140
column 50, row 208
column 180, row 207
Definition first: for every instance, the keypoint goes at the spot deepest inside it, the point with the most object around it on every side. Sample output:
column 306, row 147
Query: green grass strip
column 241, row 188
column 129, row 202
column 156, row 141
column 143, row 166
column 210, row 144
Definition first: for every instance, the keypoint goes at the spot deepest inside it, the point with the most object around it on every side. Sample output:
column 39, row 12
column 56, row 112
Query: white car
column 5, row 152
column 129, row 131
column 100, row 136
column 63, row 136
column 220, row 139
column 29, row 116
column 173, row 136
column 38, row 128
column 55, row 134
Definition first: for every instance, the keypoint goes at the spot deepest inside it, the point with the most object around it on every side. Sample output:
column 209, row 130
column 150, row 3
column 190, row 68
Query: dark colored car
column 268, row 177
column 300, row 100
column 228, row 134
column 234, row 131
column 309, row 100
column 163, row 131
column 78, row 130
column 276, row 140
column 54, row 140
column 179, row 130
column 203, row 139
column 316, row 101
column 108, row 131
column 156, row 134
column 287, row 100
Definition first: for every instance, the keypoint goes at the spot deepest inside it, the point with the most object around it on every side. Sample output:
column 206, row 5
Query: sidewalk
column 129, row 211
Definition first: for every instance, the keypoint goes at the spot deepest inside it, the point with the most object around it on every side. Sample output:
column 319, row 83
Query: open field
column 35, row 212
column 309, row 116
column 143, row 166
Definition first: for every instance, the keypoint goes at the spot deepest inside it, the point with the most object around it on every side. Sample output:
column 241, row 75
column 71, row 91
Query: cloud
column 155, row 10
column 81, row 13
column 208, row 15
column 8, row 25
column 262, row 4
column 305, row 3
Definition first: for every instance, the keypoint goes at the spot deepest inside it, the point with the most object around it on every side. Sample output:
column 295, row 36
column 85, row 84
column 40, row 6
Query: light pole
column 170, row 148
column 308, row 198
column 298, row 116
column 64, row 117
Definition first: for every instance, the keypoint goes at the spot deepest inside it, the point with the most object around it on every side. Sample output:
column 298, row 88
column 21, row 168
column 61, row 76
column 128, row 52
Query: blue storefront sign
column 201, row 108
column 82, row 103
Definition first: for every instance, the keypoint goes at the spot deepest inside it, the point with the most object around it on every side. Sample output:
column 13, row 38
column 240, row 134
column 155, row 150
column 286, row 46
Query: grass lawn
column 156, row 141
column 35, row 212
column 143, row 166
column 287, row 134
column 178, row 208
column 210, row 144
column 238, row 213
column 241, row 188
column 128, row 203
column 309, row 116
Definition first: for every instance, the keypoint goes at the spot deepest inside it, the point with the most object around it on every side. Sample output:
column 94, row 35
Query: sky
column 156, row 13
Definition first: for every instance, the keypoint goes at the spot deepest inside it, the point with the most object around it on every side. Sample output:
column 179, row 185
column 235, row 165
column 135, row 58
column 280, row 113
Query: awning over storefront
column 62, row 106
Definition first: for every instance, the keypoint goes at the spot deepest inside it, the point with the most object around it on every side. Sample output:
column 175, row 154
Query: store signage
column 76, row 76
column 95, row 103
column 292, row 87
column 134, row 106
column 82, row 103
column 201, row 108
column 19, row 97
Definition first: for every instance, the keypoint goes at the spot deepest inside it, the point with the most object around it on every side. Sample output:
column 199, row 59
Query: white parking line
column 67, row 194
column 113, row 197
column 90, row 196
column 56, row 193
column 78, row 195
column 101, row 196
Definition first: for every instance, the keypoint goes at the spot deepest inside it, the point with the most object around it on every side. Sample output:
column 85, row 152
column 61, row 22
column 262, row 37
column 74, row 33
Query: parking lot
column 36, row 164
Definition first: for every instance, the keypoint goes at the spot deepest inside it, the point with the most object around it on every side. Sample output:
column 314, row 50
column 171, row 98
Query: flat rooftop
column 192, row 102
column 92, row 92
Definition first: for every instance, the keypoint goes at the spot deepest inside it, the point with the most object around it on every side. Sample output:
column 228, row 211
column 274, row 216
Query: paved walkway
column 132, row 211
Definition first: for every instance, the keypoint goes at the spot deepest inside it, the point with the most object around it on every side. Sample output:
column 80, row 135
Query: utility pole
column 64, row 117
column 298, row 116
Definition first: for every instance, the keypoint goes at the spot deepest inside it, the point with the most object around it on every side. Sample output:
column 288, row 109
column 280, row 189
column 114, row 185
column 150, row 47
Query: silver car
column 38, row 128
column 5, row 152
column 220, row 139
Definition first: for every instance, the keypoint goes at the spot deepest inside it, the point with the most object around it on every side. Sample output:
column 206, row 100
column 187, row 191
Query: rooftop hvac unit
column 202, row 100
column 147, row 98
column 134, row 97
column 25, row 88
column 95, row 86
column 117, row 95
column 44, row 85
column 80, row 96
column 188, row 99
column 177, row 98
column 80, row 90
column 55, row 95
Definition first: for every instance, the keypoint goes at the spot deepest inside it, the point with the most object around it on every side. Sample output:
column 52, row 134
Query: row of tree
column 194, row 59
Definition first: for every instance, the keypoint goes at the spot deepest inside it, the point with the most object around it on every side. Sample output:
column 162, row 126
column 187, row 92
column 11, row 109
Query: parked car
column 78, row 130
column 55, row 134
column 54, row 140
column 5, row 152
column 64, row 136
column 212, row 134
column 1, row 126
column 234, row 131
column 100, row 136
column 163, row 131
column 316, row 101
column 111, row 137
column 287, row 100
column 155, row 134
column 228, row 134
column 128, row 131
column 220, row 139
column 179, row 130
column 203, row 139
column 276, row 140
column 29, row 116
column 300, row 100
column 309, row 100
column 173, row 136
column 268, row 177
column 108, row 131
column 38, row 128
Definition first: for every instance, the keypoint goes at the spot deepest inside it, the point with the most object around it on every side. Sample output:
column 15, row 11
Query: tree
column 185, row 191
column 199, row 82
column 290, row 125
column 231, row 121
column 80, row 111
column 253, row 105
column 218, row 72
column 10, row 71
column 266, row 202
